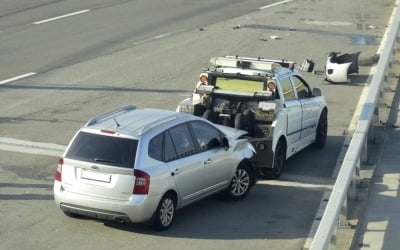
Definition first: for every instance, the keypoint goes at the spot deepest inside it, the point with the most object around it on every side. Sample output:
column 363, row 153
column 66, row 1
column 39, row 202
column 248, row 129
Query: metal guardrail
column 356, row 154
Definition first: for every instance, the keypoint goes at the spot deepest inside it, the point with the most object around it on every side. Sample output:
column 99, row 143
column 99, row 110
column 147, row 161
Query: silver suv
column 140, row 165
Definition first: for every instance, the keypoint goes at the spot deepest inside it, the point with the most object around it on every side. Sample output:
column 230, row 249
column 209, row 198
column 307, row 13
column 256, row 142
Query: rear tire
column 279, row 161
column 165, row 213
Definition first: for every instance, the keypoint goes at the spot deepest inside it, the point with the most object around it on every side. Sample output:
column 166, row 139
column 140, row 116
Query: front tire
column 322, row 131
column 241, row 183
column 165, row 213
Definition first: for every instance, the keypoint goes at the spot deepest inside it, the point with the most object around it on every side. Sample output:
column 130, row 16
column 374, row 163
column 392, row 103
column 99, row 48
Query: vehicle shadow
column 274, row 209
column 267, row 212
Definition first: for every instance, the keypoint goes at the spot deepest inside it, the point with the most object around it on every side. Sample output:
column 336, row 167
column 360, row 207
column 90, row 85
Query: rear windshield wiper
column 106, row 160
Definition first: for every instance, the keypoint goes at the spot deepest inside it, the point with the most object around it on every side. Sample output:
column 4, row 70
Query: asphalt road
column 76, row 59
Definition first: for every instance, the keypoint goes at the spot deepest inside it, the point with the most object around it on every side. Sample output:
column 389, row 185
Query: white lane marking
column 60, row 17
column 324, row 23
column 29, row 147
column 274, row 4
column 317, row 183
column 17, row 78
column 158, row 37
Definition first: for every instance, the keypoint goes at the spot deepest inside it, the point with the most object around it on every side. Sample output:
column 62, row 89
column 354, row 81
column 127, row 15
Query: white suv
column 269, row 99
column 140, row 165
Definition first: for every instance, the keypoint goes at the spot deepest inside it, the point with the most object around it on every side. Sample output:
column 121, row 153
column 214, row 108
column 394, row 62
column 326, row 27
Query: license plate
column 94, row 176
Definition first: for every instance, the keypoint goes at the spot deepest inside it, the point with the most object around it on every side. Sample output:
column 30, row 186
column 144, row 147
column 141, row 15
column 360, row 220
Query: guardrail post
column 352, row 192
column 364, row 151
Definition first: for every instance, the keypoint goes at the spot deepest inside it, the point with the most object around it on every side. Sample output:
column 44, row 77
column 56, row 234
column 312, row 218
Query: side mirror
column 225, row 143
column 316, row 92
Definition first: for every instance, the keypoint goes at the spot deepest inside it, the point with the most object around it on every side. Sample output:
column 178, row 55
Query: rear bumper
column 139, row 208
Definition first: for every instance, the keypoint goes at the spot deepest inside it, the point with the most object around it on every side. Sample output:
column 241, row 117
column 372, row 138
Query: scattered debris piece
column 338, row 67
column 274, row 37
column 369, row 60
column 307, row 65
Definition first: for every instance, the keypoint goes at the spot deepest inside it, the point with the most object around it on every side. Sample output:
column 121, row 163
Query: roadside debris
column 236, row 27
column 369, row 60
column 307, row 65
column 274, row 37
column 338, row 67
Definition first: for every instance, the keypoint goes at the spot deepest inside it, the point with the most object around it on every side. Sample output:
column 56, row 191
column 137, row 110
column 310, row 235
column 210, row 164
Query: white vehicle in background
column 269, row 99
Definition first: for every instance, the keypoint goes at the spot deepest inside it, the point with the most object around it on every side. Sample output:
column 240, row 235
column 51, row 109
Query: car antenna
column 116, row 122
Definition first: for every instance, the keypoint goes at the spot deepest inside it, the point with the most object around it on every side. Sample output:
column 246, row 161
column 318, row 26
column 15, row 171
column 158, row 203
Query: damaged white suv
column 140, row 165
column 269, row 99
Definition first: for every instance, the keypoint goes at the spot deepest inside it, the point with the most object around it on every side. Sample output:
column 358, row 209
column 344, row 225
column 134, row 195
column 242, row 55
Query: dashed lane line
column 29, row 147
column 274, row 4
column 62, row 16
column 17, row 78
column 158, row 37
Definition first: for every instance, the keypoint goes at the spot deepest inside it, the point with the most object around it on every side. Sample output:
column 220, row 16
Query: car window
column 156, row 147
column 182, row 140
column 109, row 150
column 302, row 89
column 287, row 89
column 206, row 135
column 169, row 148
column 239, row 84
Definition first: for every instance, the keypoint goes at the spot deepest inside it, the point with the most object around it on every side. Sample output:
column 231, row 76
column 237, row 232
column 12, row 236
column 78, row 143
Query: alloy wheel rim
column 240, row 182
column 167, row 212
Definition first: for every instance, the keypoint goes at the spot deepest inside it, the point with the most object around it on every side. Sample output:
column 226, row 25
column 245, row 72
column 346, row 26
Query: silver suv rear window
column 100, row 149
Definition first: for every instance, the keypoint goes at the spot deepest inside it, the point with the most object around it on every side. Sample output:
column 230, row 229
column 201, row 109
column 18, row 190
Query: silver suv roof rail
column 108, row 114
column 157, row 123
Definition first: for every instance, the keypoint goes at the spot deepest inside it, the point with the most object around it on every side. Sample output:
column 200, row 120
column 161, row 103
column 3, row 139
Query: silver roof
column 134, row 122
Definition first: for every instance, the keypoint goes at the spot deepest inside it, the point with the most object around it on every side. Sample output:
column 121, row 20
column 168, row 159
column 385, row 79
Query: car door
column 187, row 167
column 308, row 105
column 218, row 163
column 293, row 110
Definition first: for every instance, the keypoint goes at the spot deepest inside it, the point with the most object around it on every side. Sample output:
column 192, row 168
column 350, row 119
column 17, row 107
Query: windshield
column 109, row 150
column 239, row 84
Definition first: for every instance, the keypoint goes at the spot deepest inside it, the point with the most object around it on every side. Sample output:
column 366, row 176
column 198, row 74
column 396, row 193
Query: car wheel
column 209, row 115
column 322, row 131
column 279, row 161
column 165, row 213
column 241, row 183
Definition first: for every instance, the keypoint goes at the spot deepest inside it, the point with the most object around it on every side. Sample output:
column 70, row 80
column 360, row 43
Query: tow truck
column 269, row 99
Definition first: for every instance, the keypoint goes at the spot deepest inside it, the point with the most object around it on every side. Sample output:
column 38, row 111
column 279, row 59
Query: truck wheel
column 239, row 121
column 279, row 160
column 209, row 115
column 322, row 131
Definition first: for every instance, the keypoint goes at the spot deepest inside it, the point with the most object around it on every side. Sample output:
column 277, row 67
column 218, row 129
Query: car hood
column 231, row 132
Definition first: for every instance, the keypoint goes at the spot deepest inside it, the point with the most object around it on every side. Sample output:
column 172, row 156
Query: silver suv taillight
column 142, row 182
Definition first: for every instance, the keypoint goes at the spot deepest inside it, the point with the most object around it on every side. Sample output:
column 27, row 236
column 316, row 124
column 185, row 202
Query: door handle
column 208, row 161
column 175, row 172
